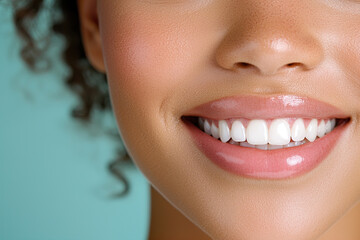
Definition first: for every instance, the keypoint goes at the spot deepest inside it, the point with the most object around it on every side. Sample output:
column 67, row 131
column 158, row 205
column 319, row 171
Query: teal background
column 54, row 182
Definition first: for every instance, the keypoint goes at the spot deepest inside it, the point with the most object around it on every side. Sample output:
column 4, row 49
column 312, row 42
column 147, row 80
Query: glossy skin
column 165, row 57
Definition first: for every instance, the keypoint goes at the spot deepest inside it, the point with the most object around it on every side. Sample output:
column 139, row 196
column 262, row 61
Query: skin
column 165, row 57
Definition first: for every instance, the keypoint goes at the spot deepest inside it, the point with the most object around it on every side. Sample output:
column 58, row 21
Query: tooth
column 262, row 147
column 246, row 144
column 321, row 129
column 274, row 147
column 279, row 132
column 224, row 131
column 328, row 127
column 257, row 132
column 333, row 123
column 214, row 131
column 298, row 131
column 311, row 131
column 290, row 144
column 201, row 123
column 238, row 131
column 234, row 143
column 207, row 127
column 298, row 143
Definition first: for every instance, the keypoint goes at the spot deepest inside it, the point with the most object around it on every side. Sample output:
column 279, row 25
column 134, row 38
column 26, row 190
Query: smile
column 267, row 134
column 267, row 138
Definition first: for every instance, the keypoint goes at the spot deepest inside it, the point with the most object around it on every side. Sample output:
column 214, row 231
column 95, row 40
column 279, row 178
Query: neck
column 168, row 223
column 346, row 228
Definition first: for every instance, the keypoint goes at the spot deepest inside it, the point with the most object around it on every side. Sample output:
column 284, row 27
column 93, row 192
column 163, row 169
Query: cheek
column 343, row 45
column 148, row 59
column 349, row 59
column 145, row 59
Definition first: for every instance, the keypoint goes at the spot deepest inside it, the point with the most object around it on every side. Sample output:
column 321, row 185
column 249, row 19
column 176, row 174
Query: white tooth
column 311, row 130
column 274, row 147
column 290, row 144
column 224, row 131
column 298, row 131
column 246, row 144
column 207, row 127
column 201, row 123
column 233, row 142
column 298, row 143
column 262, row 147
column 328, row 127
column 257, row 132
column 321, row 129
column 238, row 131
column 279, row 132
column 333, row 123
column 214, row 131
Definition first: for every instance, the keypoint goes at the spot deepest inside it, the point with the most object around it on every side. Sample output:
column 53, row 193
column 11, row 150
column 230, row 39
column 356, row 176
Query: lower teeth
column 268, row 146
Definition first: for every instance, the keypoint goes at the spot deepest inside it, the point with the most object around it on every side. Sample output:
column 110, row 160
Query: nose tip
column 269, row 54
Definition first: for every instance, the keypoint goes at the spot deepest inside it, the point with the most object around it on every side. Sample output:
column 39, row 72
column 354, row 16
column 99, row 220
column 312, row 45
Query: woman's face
column 167, row 60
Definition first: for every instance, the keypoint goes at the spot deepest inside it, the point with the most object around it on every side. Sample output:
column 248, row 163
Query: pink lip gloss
column 265, row 164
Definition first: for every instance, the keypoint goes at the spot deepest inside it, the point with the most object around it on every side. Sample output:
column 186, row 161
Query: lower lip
column 265, row 164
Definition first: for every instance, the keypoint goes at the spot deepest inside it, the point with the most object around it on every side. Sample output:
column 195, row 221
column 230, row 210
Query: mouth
column 266, row 137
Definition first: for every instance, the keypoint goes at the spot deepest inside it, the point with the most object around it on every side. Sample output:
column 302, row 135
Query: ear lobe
column 89, row 26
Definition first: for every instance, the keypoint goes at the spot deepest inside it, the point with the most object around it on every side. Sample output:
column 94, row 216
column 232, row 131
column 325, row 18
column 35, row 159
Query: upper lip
column 266, row 107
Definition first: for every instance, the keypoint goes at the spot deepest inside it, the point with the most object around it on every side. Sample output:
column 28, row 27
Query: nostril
column 243, row 65
column 292, row 65
column 268, row 68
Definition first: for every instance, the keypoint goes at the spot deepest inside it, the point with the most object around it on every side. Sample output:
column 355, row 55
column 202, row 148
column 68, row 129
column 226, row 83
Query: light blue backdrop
column 54, row 183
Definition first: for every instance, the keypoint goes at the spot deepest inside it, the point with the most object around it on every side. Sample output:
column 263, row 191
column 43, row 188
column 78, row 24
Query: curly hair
column 89, row 85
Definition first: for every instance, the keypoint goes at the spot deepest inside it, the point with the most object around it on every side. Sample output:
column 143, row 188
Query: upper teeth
column 274, row 132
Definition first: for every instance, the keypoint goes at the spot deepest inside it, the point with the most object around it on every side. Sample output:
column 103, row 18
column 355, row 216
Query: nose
column 269, row 41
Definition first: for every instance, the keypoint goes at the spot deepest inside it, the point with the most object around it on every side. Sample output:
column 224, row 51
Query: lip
column 255, row 107
column 266, row 164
